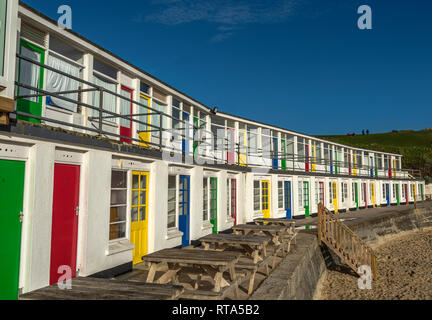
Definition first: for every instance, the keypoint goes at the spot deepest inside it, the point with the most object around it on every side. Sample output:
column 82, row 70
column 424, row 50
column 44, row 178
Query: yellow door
column 265, row 197
column 335, row 197
column 243, row 149
column 414, row 192
column 373, row 195
column 313, row 159
column 394, row 168
column 144, row 135
column 139, row 215
column 355, row 165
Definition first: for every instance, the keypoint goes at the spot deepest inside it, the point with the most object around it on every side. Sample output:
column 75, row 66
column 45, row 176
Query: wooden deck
column 101, row 289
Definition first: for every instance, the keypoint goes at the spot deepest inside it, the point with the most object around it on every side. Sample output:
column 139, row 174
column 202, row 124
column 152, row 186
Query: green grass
column 415, row 146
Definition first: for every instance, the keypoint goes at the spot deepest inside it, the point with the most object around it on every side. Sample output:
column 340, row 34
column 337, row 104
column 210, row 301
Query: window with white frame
column 172, row 202
column 231, row 198
column 206, row 216
column 118, row 208
column 317, row 192
column 300, row 194
column 257, row 195
column 353, row 192
column 343, row 192
column 394, row 191
column 384, row 190
column 109, row 100
column 281, row 204
column 330, row 192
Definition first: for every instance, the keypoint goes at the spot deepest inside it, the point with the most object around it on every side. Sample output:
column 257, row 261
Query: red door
column 390, row 169
column 234, row 200
column 65, row 220
column 406, row 194
column 126, row 109
column 307, row 158
column 349, row 164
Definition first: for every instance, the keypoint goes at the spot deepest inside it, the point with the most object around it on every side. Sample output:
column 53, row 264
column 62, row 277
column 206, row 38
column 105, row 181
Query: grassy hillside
column 415, row 146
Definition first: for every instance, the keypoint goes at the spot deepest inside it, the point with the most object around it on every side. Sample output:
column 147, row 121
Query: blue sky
column 298, row 64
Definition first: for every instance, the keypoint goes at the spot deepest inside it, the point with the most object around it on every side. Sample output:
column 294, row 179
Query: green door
column 356, row 195
column 11, row 200
column 397, row 194
column 284, row 156
column 30, row 75
column 306, row 199
column 213, row 204
column 422, row 192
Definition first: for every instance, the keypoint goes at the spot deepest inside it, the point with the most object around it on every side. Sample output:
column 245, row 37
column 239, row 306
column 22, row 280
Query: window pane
column 117, row 231
column 118, row 197
column 118, row 214
column 135, row 198
column 135, row 182
column 134, row 214
column 119, row 179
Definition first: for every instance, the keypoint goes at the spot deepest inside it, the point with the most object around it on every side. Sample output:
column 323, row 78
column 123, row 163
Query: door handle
column 77, row 210
column 21, row 216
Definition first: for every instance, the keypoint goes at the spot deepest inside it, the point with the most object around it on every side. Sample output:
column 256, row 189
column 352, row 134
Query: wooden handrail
column 344, row 242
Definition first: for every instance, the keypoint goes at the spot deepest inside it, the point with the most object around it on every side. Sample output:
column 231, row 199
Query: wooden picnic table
column 291, row 235
column 275, row 232
column 211, row 264
column 254, row 247
column 105, row 289
column 277, row 222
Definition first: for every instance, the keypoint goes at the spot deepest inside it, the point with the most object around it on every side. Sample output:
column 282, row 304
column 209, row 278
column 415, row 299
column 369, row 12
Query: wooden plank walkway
column 103, row 289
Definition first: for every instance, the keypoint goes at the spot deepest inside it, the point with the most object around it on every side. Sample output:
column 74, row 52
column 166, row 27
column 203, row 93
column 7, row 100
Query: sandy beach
column 404, row 272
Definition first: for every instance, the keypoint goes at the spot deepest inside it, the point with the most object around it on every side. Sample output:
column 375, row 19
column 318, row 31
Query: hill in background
column 415, row 146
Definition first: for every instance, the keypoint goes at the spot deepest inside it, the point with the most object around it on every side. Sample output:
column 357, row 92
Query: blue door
column 331, row 161
column 184, row 209
column 275, row 154
column 288, row 199
column 185, row 143
column 388, row 194
column 371, row 167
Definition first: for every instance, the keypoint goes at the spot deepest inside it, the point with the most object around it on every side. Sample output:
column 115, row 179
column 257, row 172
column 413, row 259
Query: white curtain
column 125, row 109
column 155, row 119
column 58, row 83
column 29, row 73
column 109, row 100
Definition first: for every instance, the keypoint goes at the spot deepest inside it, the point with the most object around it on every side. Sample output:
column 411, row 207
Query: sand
column 404, row 272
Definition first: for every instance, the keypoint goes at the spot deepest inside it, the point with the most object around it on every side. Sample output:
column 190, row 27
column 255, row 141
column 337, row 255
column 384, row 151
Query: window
column 316, row 193
column 300, row 150
column 118, row 208
column 343, row 192
column 109, row 100
column 60, row 83
column 253, row 141
column 145, row 88
column 231, row 198
column 353, row 193
column 257, row 195
column 172, row 201
column 205, row 199
column 281, row 195
column 156, row 119
column 300, row 195
column 3, row 11
column 346, row 191
column 363, row 192
column 394, row 191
